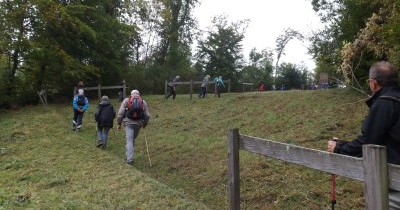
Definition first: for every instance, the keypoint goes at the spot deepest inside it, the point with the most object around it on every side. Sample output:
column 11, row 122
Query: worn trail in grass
column 45, row 164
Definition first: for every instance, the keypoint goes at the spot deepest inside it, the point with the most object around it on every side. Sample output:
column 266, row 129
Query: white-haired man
column 135, row 115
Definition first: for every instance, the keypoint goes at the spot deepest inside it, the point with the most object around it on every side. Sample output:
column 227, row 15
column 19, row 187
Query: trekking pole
column 147, row 148
column 333, row 200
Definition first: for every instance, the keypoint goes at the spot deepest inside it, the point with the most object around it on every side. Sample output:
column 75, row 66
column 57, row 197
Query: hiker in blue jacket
column 80, row 104
column 219, row 84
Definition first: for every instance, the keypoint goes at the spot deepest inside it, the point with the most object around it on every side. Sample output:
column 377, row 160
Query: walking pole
column 147, row 148
column 333, row 200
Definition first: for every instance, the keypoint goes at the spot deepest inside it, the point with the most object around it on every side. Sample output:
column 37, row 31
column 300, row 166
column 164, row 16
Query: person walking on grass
column 135, row 115
column 80, row 104
column 172, row 87
column 220, row 84
column 382, row 124
column 204, row 84
column 104, row 117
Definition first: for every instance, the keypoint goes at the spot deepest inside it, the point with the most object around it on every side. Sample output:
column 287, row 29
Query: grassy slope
column 44, row 164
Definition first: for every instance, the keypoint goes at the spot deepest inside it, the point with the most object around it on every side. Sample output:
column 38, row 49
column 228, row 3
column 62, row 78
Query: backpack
column 81, row 100
column 135, row 108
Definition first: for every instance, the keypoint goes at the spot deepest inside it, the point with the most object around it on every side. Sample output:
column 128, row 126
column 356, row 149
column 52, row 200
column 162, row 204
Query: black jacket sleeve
column 374, row 129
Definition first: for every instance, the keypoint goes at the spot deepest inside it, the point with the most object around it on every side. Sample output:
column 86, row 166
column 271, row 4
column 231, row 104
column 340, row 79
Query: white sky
column 268, row 20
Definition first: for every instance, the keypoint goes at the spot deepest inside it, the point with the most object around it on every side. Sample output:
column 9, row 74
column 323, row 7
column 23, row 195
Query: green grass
column 43, row 164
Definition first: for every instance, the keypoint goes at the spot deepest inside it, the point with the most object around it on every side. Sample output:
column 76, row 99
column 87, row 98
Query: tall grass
column 43, row 164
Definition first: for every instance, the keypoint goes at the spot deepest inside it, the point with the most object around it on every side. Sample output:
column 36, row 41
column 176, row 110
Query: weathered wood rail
column 191, row 83
column 99, row 88
column 372, row 169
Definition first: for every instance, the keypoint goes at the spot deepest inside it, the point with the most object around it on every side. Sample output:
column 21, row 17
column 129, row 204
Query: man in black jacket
column 382, row 124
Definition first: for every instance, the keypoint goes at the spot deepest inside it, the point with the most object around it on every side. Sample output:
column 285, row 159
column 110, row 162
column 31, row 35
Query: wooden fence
column 247, row 84
column 372, row 169
column 191, row 83
column 99, row 88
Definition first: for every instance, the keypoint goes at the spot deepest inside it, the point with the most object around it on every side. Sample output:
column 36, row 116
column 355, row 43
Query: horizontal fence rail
column 372, row 169
column 191, row 83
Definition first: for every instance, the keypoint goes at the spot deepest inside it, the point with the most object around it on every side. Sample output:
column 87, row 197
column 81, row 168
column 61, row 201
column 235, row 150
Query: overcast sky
column 268, row 19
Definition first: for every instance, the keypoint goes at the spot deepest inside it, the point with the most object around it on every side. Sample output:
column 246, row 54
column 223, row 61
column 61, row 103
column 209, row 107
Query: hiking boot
column 130, row 163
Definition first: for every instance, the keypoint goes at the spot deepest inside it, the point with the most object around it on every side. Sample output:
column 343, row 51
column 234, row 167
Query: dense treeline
column 50, row 45
column 357, row 34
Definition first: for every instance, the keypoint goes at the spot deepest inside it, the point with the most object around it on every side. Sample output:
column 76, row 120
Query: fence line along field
column 43, row 164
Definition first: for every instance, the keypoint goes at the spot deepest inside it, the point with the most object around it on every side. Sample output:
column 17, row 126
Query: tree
column 259, row 70
column 344, row 20
column 292, row 76
column 220, row 53
column 175, row 34
column 53, row 44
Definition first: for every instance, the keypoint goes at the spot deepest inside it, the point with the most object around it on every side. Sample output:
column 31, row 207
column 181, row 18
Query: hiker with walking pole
column 382, row 124
column 135, row 115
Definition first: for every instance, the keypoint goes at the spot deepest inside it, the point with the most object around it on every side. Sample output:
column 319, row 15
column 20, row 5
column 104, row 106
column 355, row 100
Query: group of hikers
column 380, row 127
column 172, row 83
column 133, row 114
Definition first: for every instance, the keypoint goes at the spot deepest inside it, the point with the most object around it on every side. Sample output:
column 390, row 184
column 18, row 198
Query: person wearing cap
column 132, row 124
column 204, row 85
column 104, row 117
column 80, row 104
column 172, row 87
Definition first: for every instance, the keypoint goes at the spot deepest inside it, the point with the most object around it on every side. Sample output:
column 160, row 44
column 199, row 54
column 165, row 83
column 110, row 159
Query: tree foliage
column 292, row 76
column 53, row 44
column 358, row 33
column 260, row 67
column 220, row 53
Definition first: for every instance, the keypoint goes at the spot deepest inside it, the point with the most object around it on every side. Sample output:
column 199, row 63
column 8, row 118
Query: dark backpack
column 81, row 100
column 135, row 108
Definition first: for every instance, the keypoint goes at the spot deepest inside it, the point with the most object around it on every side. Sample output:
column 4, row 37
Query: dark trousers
column 78, row 117
column 203, row 92
column 172, row 92
column 219, row 88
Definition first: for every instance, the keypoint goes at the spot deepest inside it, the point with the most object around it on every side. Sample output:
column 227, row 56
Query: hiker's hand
column 331, row 145
column 119, row 127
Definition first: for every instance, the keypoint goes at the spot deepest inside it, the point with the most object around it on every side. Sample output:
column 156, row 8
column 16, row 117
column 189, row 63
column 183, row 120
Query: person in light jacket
column 134, row 118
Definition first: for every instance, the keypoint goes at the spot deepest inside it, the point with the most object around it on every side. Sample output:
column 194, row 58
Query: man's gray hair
column 385, row 73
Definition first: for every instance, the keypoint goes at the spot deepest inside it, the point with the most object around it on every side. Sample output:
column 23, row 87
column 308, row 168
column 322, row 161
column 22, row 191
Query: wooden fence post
column 99, row 91
column 191, row 88
column 123, row 89
column 166, row 88
column 233, row 169
column 375, row 177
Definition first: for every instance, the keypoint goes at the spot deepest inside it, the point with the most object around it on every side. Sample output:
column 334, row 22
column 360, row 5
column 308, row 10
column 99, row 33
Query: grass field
column 44, row 165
